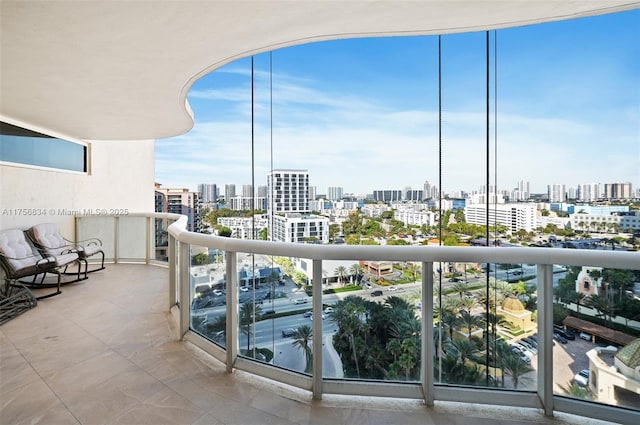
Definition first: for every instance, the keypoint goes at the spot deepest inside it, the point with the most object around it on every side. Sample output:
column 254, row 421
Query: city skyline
column 365, row 111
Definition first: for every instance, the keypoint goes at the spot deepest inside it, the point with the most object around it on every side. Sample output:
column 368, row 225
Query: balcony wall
column 233, row 346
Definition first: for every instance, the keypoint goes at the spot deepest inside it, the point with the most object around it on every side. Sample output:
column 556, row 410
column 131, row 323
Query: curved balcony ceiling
column 121, row 70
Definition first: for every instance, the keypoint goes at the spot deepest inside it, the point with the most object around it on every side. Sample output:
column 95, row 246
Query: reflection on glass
column 485, row 326
column 265, row 294
column 208, row 301
column 596, row 355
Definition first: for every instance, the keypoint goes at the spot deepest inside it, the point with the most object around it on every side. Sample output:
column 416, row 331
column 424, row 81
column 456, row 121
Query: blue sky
column 363, row 113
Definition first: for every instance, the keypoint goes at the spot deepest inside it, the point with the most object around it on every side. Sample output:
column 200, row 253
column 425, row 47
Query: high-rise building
column 208, row 193
column 179, row 201
column 334, row 193
column 288, row 191
column 262, row 191
column 556, row 193
column 588, row 192
column 247, row 191
column 229, row 191
column 618, row 190
column 387, row 195
column 523, row 191
column 313, row 192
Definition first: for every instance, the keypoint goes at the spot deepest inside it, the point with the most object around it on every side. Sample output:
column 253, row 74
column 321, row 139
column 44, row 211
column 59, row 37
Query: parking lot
column 569, row 359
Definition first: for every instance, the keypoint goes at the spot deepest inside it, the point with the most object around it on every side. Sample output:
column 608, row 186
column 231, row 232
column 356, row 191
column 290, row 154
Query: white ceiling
column 121, row 70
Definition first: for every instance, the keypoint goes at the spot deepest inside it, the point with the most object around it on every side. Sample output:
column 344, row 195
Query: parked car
column 532, row 342
column 582, row 378
column 368, row 285
column 217, row 292
column 527, row 346
column 376, row 293
column 524, row 355
column 244, row 289
column 565, row 333
column 585, row 336
column 286, row 333
column 328, row 309
column 559, row 338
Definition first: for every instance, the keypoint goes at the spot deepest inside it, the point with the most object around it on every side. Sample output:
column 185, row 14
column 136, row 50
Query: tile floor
column 105, row 352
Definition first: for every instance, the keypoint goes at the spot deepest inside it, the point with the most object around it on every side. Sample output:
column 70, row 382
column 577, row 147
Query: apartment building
column 179, row 201
column 513, row 216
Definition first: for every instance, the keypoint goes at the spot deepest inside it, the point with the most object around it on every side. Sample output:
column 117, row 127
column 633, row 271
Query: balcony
column 123, row 347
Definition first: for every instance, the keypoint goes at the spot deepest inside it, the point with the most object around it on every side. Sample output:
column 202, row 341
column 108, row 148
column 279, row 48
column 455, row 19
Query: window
column 22, row 146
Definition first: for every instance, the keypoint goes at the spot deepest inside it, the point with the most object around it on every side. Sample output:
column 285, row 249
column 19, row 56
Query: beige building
column 515, row 313
column 614, row 378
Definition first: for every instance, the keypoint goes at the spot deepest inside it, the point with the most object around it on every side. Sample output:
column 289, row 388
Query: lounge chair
column 48, row 239
column 19, row 259
column 65, row 255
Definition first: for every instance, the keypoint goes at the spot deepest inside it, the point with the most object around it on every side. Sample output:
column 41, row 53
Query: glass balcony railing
column 548, row 328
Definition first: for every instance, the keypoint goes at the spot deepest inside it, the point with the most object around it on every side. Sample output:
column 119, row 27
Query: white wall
column 121, row 177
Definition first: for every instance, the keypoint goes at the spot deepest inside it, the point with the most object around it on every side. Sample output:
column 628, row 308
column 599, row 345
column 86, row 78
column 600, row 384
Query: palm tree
column 470, row 321
column 217, row 329
column 248, row 312
column 515, row 367
column 461, row 288
column 341, row 272
column 302, row 338
column 356, row 271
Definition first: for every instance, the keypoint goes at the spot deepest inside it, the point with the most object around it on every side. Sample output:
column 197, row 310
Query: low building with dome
column 514, row 312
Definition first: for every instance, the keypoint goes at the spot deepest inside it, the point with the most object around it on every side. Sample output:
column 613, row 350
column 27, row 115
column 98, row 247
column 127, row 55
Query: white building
column 556, row 193
column 300, row 228
column 589, row 192
column 334, row 193
column 604, row 223
column 514, row 216
column 415, row 218
column 244, row 227
column 288, row 191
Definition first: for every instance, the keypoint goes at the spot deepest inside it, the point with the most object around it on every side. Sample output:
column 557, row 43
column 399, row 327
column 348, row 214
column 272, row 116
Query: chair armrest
column 85, row 242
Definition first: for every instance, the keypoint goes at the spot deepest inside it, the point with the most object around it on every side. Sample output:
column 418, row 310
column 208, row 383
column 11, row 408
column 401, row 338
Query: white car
column 300, row 301
column 582, row 378
column 244, row 289
column 328, row 310
column 585, row 336
column 393, row 288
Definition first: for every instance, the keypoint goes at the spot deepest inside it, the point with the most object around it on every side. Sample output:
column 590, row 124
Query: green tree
column 301, row 340
column 515, row 367
column 248, row 313
column 341, row 272
column 225, row 232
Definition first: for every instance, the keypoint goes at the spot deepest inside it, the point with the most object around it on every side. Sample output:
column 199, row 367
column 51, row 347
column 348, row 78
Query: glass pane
column 132, row 238
column 274, row 311
column 208, row 293
column 374, row 316
column 99, row 227
column 596, row 355
column 484, row 326
column 161, row 239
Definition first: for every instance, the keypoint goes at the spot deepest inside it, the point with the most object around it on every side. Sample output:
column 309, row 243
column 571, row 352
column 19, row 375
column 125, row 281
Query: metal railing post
column 427, row 333
column 231, row 331
column 171, row 252
column 545, row 337
column 316, row 386
column 184, row 285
